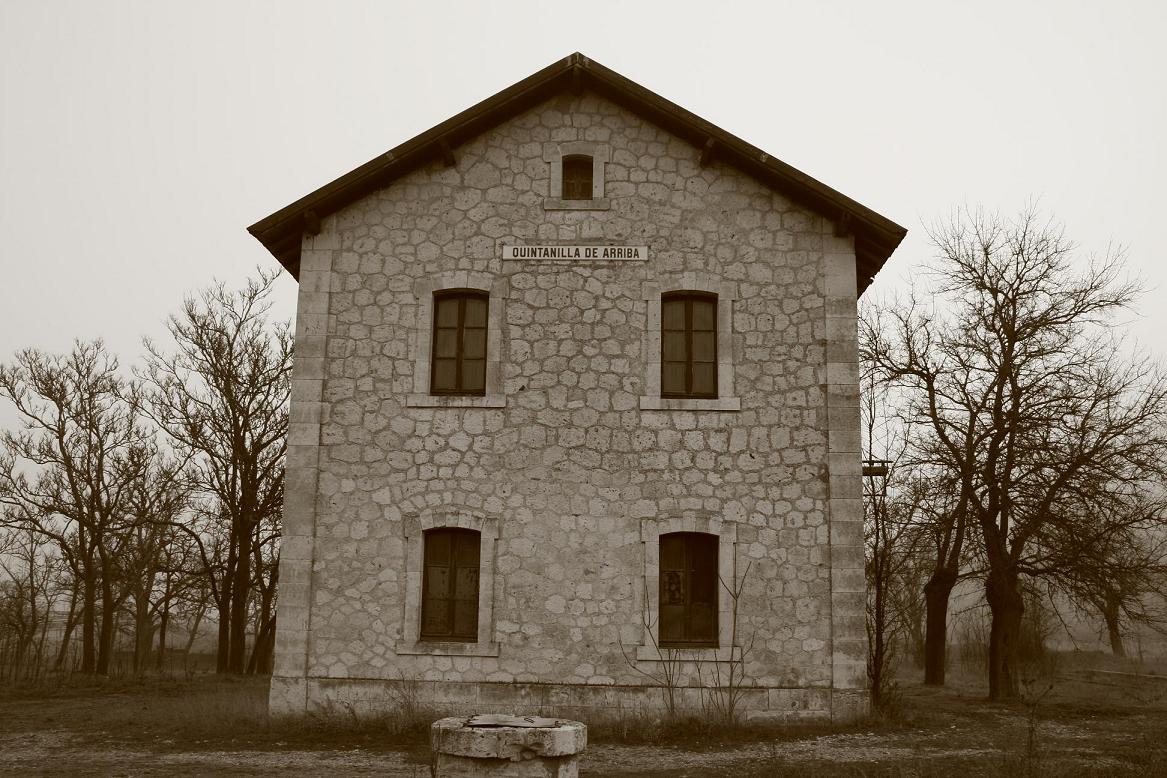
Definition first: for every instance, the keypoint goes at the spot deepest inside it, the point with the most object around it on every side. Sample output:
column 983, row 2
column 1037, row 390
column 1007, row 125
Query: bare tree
column 934, row 527
column 944, row 526
column 898, row 531
column 1123, row 579
column 883, row 537
column 68, row 581
column 68, row 471
column 266, row 566
column 28, row 593
column 905, row 599
column 179, row 596
column 157, row 498
column 223, row 398
column 1029, row 407
column 193, row 599
column 944, row 509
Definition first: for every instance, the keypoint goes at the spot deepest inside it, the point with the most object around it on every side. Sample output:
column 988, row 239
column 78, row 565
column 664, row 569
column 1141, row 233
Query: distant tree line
column 137, row 506
column 1020, row 446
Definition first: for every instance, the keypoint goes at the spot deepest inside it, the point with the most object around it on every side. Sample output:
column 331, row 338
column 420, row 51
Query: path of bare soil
column 217, row 728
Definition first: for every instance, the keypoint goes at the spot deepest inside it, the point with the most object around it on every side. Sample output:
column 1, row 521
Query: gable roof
column 876, row 237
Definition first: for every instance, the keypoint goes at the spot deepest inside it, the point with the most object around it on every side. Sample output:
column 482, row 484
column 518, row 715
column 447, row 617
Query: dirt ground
column 212, row 727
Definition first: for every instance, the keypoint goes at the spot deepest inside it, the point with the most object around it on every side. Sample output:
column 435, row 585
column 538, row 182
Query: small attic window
column 577, row 177
column 576, row 170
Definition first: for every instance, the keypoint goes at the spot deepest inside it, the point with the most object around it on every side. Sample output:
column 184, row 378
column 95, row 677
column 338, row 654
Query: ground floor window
column 449, row 605
column 688, row 590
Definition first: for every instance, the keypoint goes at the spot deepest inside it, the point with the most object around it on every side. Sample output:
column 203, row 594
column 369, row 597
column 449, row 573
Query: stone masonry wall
column 571, row 477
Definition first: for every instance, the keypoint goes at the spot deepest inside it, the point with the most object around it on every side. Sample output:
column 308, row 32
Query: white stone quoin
column 571, row 466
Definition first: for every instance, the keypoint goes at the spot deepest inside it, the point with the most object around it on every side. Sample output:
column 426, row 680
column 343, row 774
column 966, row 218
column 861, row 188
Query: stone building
column 575, row 394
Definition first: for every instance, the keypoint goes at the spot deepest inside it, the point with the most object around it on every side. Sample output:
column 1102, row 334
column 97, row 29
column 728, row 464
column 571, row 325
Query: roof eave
column 876, row 237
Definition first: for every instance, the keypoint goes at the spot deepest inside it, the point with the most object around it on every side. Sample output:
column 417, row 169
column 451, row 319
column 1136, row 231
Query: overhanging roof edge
column 283, row 229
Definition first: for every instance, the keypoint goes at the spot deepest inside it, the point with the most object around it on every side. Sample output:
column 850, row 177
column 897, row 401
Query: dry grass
column 701, row 734
column 1079, row 728
column 195, row 711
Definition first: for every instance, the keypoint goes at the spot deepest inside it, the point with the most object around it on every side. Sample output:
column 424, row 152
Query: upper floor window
column 688, row 345
column 458, row 364
column 449, row 603
column 577, row 177
column 688, row 589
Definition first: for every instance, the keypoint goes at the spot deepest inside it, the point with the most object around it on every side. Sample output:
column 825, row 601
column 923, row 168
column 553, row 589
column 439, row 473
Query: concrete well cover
column 506, row 720
column 453, row 736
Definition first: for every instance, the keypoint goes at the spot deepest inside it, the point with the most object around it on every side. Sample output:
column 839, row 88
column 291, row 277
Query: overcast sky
column 139, row 139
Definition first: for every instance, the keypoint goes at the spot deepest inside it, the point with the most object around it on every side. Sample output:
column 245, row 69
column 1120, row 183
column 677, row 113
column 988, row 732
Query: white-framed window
column 687, row 523
column 434, row 295
column 447, row 523
column 577, row 177
column 679, row 288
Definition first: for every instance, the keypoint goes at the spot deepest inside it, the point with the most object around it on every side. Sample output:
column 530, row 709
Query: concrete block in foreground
column 494, row 745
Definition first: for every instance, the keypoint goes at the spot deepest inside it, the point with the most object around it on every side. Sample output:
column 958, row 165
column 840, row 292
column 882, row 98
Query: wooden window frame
column 688, row 297
column 712, row 551
column 462, row 295
column 554, row 154
column 449, row 634
column 575, row 187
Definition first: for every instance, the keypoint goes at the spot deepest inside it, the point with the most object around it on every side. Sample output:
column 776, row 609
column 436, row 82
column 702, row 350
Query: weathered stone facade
column 571, row 465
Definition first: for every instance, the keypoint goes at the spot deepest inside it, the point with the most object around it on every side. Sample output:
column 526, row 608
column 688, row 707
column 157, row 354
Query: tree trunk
column 70, row 624
column 937, row 593
column 1007, row 608
column 269, row 621
column 263, row 632
column 916, row 626
column 143, row 630
column 253, row 662
column 163, row 623
column 88, row 618
column 266, row 657
column 223, row 602
column 239, row 591
column 1111, row 614
column 105, row 636
column 19, row 630
column 193, row 634
column 43, row 639
column 34, row 623
column 221, row 664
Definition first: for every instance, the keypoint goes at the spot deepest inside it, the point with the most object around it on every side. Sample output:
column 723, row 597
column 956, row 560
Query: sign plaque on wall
column 576, row 253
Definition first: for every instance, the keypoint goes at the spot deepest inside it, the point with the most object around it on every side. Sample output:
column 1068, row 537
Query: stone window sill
column 421, row 648
column 690, row 404
column 455, row 401
column 598, row 204
column 723, row 654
